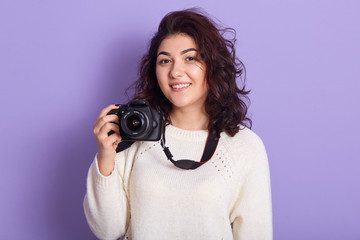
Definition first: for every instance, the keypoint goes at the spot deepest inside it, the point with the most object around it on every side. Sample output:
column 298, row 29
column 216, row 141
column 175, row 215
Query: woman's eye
column 164, row 61
column 190, row 59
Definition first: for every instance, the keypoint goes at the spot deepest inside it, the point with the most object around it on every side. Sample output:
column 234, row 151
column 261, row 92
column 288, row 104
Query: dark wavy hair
column 226, row 102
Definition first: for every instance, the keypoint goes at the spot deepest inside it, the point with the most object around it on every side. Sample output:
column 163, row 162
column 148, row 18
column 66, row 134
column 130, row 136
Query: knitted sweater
column 147, row 197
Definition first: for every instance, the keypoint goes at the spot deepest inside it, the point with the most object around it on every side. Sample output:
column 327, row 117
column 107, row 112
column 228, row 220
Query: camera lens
column 133, row 123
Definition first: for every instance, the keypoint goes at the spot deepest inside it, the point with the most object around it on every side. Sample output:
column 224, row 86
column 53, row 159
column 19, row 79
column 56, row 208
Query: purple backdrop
column 61, row 62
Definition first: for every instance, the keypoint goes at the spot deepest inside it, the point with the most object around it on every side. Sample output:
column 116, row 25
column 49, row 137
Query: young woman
column 190, row 72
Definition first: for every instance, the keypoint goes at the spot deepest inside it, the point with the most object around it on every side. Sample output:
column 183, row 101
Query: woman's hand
column 107, row 144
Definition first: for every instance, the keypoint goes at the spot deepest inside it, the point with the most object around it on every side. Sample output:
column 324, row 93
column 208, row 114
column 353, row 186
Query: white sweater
column 147, row 197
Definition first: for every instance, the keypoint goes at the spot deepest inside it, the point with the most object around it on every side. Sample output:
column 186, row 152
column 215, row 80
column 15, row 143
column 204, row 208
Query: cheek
column 198, row 70
column 160, row 73
column 157, row 72
column 161, row 79
column 200, row 75
column 158, row 76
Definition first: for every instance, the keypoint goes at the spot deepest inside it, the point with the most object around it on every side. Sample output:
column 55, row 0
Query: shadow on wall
column 77, row 148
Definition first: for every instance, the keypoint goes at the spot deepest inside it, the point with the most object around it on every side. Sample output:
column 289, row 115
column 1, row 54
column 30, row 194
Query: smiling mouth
column 180, row 86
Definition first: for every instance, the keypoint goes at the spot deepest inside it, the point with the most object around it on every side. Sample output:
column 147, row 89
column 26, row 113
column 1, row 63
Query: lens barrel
column 135, row 124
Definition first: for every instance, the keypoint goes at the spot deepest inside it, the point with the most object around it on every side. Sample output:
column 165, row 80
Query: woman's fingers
column 114, row 140
column 103, row 125
column 106, row 143
column 109, row 142
column 104, row 113
column 107, row 110
column 104, row 120
column 106, row 128
column 107, row 149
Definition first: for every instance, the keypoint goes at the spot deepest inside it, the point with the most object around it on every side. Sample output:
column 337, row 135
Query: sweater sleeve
column 106, row 203
column 251, row 215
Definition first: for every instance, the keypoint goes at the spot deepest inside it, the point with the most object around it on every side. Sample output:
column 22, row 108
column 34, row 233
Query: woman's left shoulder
column 244, row 140
column 245, row 148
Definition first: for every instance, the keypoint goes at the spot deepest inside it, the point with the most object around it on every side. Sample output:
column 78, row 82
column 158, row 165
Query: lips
column 180, row 85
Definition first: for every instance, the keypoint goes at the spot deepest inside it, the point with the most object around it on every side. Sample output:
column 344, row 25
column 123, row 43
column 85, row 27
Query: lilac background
column 63, row 61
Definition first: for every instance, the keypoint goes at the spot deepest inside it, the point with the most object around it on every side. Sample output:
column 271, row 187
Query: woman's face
column 180, row 72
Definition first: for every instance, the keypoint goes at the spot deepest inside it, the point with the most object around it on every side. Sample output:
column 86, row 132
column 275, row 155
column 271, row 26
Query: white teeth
column 180, row 85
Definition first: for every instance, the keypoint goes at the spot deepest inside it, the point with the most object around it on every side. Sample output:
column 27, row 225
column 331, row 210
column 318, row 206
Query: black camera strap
column 124, row 145
column 209, row 150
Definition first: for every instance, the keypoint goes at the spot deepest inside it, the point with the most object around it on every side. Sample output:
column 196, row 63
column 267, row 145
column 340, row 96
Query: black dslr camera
column 139, row 122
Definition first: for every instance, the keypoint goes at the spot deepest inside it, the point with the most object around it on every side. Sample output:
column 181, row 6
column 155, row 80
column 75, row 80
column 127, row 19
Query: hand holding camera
column 106, row 143
column 135, row 121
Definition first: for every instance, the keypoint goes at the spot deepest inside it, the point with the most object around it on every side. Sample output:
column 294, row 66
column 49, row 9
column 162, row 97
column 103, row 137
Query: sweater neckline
column 186, row 134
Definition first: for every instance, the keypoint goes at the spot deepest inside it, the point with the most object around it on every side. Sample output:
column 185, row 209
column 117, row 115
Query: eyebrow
column 182, row 52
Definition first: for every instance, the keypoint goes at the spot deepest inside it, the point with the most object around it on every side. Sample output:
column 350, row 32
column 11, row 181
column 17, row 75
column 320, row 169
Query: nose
column 177, row 70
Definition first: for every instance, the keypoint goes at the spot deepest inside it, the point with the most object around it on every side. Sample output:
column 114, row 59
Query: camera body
column 139, row 122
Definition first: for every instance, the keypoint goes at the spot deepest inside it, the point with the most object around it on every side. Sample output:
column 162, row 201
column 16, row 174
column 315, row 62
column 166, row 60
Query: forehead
column 177, row 43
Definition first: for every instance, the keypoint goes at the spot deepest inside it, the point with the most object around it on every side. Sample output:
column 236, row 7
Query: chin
column 179, row 103
column 185, row 104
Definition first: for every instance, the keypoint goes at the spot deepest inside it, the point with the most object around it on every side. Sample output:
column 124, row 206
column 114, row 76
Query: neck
column 189, row 119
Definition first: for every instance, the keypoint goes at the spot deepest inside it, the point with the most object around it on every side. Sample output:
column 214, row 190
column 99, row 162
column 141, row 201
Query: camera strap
column 209, row 150
column 123, row 145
